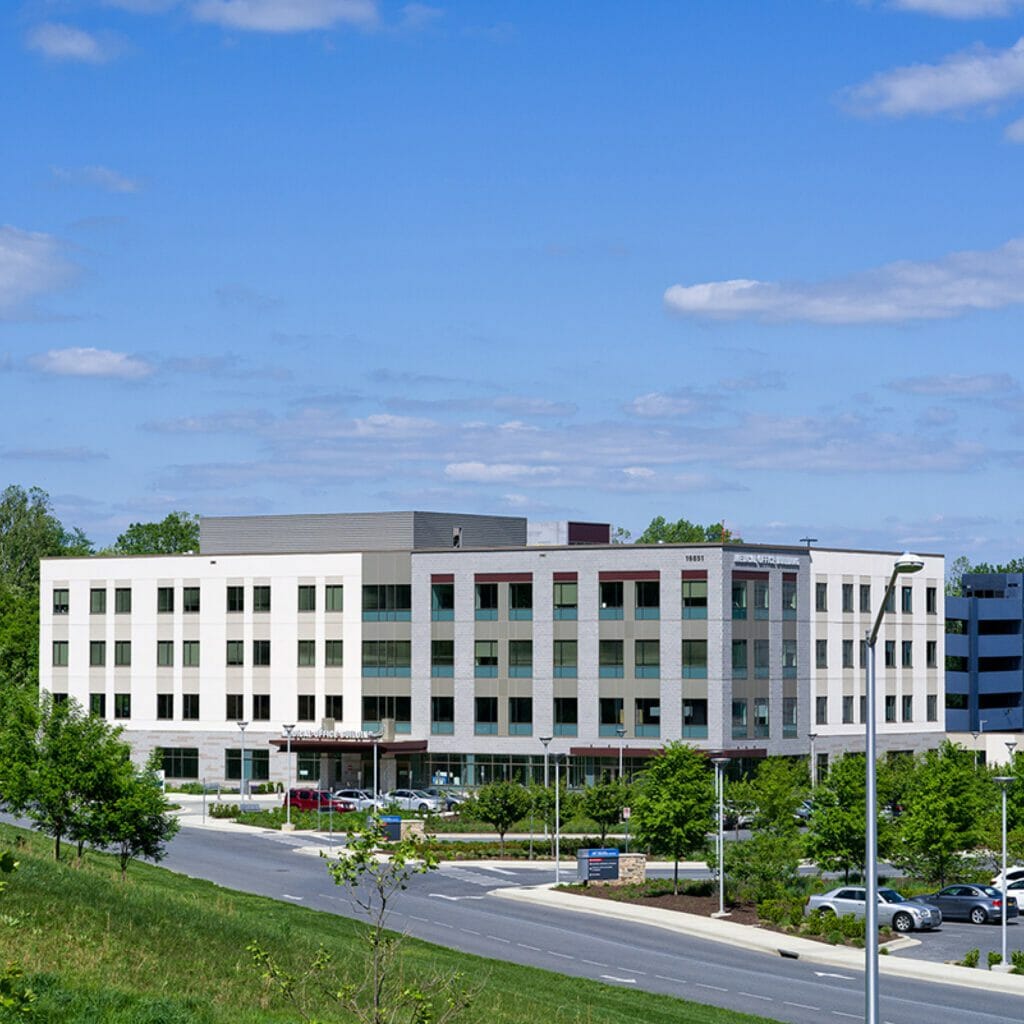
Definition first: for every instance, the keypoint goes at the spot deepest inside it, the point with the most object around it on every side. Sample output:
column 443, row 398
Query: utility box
column 597, row 865
column 392, row 825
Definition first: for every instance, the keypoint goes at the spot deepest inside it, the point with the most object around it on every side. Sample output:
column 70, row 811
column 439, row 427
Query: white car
column 360, row 797
column 412, row 800
column 1014, row 874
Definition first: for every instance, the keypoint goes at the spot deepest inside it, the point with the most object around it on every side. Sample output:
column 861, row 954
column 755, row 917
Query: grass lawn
column 165, row 949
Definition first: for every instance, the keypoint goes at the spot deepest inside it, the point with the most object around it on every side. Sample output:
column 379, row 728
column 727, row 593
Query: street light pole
column 288, row 791
column 241, row 785
column 545, row 740
column 812, row 736
column 620, row 731
column 906, row 563
column 558, row 827
column 1004, row 781
column 720, row 763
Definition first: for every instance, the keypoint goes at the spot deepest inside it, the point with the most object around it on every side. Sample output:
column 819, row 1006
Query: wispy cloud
column 101, row 177
column 661, row 405
column 415, row 16
column 897, row 292
column 964, row 9
column 91, row 362
column 954, row 385
column 285, row 15
column 53, row 454
column 30, row 262
column 975, row 77
column 1014, row 131
column 66, row 42
column 503, row 472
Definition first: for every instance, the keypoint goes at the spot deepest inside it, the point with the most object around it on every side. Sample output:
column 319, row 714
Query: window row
column 931, row 598
column 905, row 704
column 333, row 652
column 906, row 652
column 753, row 594
column 235, row 601
column 751, row 718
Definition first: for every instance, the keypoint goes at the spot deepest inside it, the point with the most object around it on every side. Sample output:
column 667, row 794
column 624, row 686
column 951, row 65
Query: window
column 566, row 601
column 789, row 659
column 695, row 659
column 695, row 599
column 234, row 707
column 890, row 602
column 930, row 600
column 190, row 600
column 908, row 707
column 165, row 705
column 847, row 597
column 520, row 600
column 739, row 719
column 123, row 601
column 98, row 705
column 164, row 653
column 890, row 707
column 647, row 717
column 761, row 707
column 865, row 597
column 520, row 716
column 821, row 654
column 387, row 602
column 307, row 597
column 739, row 599
column 863, row 709
column 907, row 599
column 97, row 601
column 486, row 601
column 485, row 659
column 97, row 653
column 261, row 599
column 789, row 599
column 261, row 653
column 236, row 599
column 907, row 654
column 334, row 597
column 334, row 706
column 60, row 654
column 760, row 599
column 847, row 654
column 261, row 707
column 190, row 653
column 442, row 658
column 60, row 601
column 190, row 707
column 863, row 653
column 60, row 698
column 821, row 710
column 386, row 657
column 485, row 722
column 180, row 762
column 520, row 658
column 610, row 592
column 122, row 705
column 307, row 653
column 123, row 653
column 566, row 716
column 695, row 718
column 647, row 659
column 442, row 602
column 890, row 653
column 931, row 653
column 442, row 715
column 306, row 709
column 932, row 707
column 565, row 659
column 847, row 709
column 610, row 716
column 610, row 659
column 739, row 659
column 762, row 664
column 648, row 599
column 257, row 765
column 236, row 652
column 165, row 600
column 789, row 721
column 334, row 653
column 821, row 597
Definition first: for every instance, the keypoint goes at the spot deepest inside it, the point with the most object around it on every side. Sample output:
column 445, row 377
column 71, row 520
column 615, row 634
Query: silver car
column 412, row 800
column 360, row 797
column 901, row 914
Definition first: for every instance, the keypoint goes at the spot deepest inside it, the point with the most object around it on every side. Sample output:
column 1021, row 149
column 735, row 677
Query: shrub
column 971, row 958
column 994, row 958
column 786, row 910
column 1017, row 959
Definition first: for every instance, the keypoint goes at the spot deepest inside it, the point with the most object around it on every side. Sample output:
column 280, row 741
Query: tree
column 836, row 828
column 674, row 808
column 660, row 531
column 603, row 804
column 502, row 804
column 175, row 534
column 954, row 575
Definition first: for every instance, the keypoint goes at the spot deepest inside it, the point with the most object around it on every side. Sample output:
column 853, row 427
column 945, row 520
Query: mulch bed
column 704, row 906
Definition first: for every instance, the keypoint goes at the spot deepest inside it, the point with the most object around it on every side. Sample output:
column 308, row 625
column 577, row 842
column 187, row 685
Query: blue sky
column 755, row 261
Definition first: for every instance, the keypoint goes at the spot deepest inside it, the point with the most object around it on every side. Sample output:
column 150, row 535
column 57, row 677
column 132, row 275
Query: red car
column 317, row 799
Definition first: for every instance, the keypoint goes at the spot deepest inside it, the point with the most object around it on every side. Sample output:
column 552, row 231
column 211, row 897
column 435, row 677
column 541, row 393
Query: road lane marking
column 675, row 981
column 595, row 963
column 801, row 1006
column 469, row 931
column 413, row 917
column 754, row 995
column 624, row 981
column 285, row 896
column 454, row 899
column 717, row 988
column 829, row 974
column 564, row 956
column 498, row 938
column 523, row 945
column 839, row 1013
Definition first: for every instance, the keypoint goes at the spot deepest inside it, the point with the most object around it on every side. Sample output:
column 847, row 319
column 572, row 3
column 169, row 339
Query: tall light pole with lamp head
column 288, row 729
column 620, row 731
column 545, row 740
column 558, row 826
column 812, row 736
column 905, row 564
column 241, row 784
column 1004, row 781
column 720, row 763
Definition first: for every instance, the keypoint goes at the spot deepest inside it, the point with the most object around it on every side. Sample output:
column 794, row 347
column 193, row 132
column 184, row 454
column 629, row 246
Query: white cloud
column 71, row 454
column 91, row 362
column 65, row 42
column 101, row 177
column 960, row 8
column 972, row 78
column 1014, row 132
column 386, row 425
column 955, row 385
column 905, row 290
column 656, row 405
column 142, row 6
column 417, row 16
column 30, row 263
column 285, row 15
column 484, row 473
column 638, row 472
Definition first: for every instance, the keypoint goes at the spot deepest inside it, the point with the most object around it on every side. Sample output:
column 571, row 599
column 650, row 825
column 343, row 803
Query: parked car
column 362, row 798
column 804, row 811
column 317, row 799
column 974, row 903
column 1014, row 874
column 447, row 798
column 901, row 914
column 412, row 800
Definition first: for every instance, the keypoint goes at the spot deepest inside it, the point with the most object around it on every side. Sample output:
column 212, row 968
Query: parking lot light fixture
column 288, row 730
column 812, row 736
column 620, row 731
column 904, row 565
column 720, row 763
column 1004, row 782
column 241, row 784
column 545, row 740
column 558, row 827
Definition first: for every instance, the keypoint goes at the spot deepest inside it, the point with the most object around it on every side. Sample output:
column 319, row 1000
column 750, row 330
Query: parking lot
column 956, row 938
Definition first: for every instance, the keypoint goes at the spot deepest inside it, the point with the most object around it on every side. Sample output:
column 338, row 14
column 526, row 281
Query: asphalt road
column 453, row 907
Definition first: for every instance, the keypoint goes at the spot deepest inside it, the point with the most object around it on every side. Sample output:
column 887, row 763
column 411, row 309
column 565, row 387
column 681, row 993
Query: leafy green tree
column 836, row 829
column 954, row 575
column 660, row 531
column 502, row 804
column 603, row 804
column 673, row 810
column 175, row 534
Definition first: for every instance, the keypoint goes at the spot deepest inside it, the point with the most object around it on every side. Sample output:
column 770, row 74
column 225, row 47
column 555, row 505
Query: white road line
column 839, row 1013
column 523, row 945
column 413, row 917
column 285, row 896
column 675, row 981
column 624, row 981
column 498, row 938
column 717, row 988
column 595, row 963
column 754, row 995
column 564, row 956
column 469, row 931
column 801, row 1006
